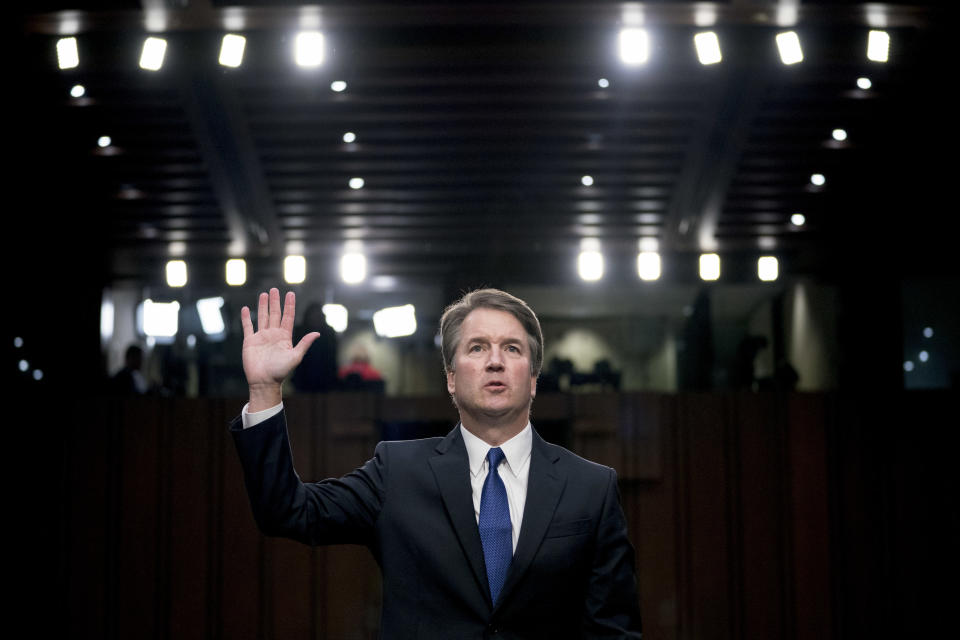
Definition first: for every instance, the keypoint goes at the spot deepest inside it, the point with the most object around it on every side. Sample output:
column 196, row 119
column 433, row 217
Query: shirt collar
column 516, row 450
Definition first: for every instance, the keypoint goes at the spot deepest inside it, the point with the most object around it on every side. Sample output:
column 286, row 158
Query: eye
column 474, row 348
column 514, row 348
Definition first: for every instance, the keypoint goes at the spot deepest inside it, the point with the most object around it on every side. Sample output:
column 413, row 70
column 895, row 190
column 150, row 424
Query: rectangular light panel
column 708, row 47
column 151, row 58
column 788, row 43
column 231, row 50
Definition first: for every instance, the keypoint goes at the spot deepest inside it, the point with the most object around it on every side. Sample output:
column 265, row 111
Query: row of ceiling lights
column 590, row 266
column 634, row 49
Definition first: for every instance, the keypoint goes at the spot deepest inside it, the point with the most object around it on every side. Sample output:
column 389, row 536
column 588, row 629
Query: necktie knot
column 494, row 458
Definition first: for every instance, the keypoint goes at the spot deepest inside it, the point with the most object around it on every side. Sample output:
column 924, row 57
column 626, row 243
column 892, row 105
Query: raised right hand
column 268, row 353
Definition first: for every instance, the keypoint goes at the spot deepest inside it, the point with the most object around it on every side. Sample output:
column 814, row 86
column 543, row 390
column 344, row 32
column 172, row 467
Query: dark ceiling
column 474, row 124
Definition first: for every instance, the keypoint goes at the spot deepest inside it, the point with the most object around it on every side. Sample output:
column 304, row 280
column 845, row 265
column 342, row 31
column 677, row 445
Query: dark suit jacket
column 572, row 574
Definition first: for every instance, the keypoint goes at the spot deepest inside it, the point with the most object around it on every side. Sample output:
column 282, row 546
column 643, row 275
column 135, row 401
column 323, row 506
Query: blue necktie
column 496, row 532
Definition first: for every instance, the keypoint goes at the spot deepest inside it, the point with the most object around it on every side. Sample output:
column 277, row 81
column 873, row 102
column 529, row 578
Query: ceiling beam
column 232, row 160
column 711, row 162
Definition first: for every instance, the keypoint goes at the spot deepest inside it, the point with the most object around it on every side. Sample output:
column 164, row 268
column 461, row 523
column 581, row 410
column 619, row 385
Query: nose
column 495, row 360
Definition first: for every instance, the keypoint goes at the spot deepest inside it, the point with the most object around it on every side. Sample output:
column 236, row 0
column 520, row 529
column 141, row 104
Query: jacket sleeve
column 336, row 510
column 612, row 609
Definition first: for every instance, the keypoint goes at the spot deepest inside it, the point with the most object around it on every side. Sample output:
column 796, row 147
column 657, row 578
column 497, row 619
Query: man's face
column 491, row 380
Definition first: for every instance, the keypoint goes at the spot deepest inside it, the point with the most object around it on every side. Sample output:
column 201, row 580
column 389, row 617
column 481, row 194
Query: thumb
column 304, row 344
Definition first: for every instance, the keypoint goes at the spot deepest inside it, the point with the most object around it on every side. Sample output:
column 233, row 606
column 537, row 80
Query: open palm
column 268, row 353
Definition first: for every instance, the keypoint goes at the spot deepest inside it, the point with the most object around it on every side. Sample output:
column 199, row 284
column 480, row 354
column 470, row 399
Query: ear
column 533, row 387
column 451, row 382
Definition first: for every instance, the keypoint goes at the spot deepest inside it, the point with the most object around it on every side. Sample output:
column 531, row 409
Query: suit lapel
column 451, row 468
column 544, row 488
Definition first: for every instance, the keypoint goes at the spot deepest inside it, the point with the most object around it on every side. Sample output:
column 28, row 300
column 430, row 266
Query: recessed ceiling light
column 356, row 183
column 839, row 135
column 708, row 47
column 818, row 179
column 78, row 91
column 798, row 219
column 634, row 46
column 788, row 44
column 338, row 85
column 349, row 136
column 864, row 83
column 586, row 181
column 151, row 57
column 67, row 56
column 603, row 82
column 878, row 46
column 308, row 49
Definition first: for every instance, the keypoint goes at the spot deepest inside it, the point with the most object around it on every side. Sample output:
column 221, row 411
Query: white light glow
column 587, row 181
column 648, row 265
column 353, row 268
column 708, row 47
column 924, row 356
column 77, row 91
column 294, row 269
column 603, row 82
column 839, row 135
column 236, row 272
column 818, row 179
column 336, row 316
column 106, row 319
column 231, row 50
column 768, row 268
column 308, row 50
column 37, row 375
column 709, row 266
column 160, row 318
column 338, row 85
column 864, row 83
column 878, row 46
column 151, row 58
column 18, row 342
column 634, row 46
column 908, row 366
column 210, row 317
column 798, row 219
column 176, row 273
column 349, row 136
column 191, row 341
column 590, row 265
column 23, row 365
column 648, row 244
column 356, row 183
column 395, row 322
column 928, row 332
column 104, row 141
column 788, row 44
column 67, row 55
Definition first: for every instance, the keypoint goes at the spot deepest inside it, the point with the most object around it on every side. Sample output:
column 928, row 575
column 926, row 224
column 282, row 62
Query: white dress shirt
column 514, row 470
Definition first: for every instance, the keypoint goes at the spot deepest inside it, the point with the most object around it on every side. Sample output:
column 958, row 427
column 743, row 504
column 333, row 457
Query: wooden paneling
column 752, row 516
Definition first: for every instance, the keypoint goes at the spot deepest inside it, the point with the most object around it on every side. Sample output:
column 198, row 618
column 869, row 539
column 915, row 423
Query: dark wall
column 752, row 515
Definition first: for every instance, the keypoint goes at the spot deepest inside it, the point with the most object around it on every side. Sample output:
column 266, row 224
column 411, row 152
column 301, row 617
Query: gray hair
column 454, row 315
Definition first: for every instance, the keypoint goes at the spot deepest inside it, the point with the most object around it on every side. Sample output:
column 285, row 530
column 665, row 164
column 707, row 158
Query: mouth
column 495, row 385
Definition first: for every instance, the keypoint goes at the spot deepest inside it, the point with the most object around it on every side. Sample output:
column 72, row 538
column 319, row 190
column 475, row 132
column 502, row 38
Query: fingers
column 246, row 322
column 262, row 312
column 270, row 314
column 289, row 312
column 274, row 308
column 304, row 344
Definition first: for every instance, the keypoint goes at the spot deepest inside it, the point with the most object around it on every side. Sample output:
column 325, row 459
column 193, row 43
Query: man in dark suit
column 488, row 532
